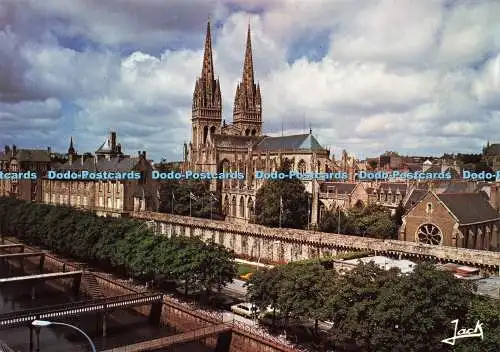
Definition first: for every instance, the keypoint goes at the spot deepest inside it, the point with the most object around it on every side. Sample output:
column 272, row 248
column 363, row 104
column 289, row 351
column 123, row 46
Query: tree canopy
column 295, row 202
column 373, row 309
column 370, row 221
column 122, row 245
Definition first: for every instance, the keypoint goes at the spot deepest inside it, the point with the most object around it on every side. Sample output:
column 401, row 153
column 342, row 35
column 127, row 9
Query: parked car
column 245, row 309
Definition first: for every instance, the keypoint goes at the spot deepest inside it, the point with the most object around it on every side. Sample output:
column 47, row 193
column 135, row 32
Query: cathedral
column 241, row 146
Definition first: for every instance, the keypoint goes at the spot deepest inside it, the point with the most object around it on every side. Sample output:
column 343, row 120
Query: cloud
column 366, row 76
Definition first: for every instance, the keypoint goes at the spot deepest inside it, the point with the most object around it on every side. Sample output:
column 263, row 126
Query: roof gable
column 469, row 208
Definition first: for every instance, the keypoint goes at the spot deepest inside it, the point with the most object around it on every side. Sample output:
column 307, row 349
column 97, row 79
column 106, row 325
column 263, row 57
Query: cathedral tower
column 207, row 102
column 247, row 112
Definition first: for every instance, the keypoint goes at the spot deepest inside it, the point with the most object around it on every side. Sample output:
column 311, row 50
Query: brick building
column 464, row 220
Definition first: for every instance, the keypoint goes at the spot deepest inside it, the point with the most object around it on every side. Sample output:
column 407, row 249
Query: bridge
column 11, row 246
column 22, row 255
column 36, row 279
column 223, row 341
column 104, row 305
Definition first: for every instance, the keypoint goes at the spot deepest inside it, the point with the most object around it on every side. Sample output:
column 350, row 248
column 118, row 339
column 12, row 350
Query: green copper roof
column 294, row 142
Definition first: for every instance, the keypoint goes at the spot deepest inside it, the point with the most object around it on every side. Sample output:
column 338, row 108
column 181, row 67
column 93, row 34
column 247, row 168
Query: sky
column 417, row 77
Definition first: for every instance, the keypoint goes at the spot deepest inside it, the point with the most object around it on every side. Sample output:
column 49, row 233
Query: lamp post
column 44, row 323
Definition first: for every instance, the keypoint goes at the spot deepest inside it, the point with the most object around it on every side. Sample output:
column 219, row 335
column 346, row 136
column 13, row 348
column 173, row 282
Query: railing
column 272, row 340
column 77, row 308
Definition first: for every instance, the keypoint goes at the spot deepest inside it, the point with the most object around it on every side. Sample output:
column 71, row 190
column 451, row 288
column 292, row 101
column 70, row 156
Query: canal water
column 124, row 327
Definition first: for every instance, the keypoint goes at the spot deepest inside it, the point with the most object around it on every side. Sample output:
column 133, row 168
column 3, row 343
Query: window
column 101, row 201
column 110, row 204
column 118, row 203
column 429, row 208
column 429, row 234
column 302, row 166
column 78, row 200
column 85, row 201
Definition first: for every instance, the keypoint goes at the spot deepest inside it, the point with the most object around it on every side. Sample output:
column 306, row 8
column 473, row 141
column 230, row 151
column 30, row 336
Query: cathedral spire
column 207, row 72
column 247, row 111
column 71, row 149
column 248, row 79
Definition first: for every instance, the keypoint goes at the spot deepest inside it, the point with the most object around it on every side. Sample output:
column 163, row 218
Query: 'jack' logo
column 464, row 333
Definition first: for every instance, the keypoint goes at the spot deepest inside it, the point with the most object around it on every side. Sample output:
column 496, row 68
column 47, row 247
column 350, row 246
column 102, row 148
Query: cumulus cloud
column 366, row 76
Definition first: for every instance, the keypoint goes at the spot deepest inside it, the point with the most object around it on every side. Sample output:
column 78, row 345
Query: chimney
column 494, row 196
column 138, row 153
column 49, row 150
column 81, row 159
column 113, row 141
column 7, row 149
column 144, row 154
column 119, row 148
column 14, row 150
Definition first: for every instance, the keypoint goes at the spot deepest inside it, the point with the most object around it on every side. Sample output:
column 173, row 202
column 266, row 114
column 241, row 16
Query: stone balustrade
column 284, row 245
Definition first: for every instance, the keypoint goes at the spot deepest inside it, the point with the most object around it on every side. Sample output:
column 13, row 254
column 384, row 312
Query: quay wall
column 180, row 316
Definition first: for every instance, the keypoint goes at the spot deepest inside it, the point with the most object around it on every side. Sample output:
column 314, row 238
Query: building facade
column 17, row 160
column 104, row 197
column 465, row 220
column 217, row 146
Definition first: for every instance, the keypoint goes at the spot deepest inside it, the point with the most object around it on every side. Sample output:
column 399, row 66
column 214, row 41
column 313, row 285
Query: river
column 123, row 326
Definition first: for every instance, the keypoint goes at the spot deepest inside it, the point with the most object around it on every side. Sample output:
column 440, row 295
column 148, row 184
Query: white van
column 245, row 309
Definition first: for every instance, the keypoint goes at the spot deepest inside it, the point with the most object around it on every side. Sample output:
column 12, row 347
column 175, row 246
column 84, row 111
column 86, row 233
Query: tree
column 353, row 301
column 304, row 291
column 294, row 212
column 414, row 312
column 485, row 310
column 373, row 221
column 175, row 198
column 217, row 267
column 330, row 223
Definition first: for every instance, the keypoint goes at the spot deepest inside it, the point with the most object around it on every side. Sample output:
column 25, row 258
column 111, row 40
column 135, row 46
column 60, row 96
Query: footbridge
column 104, row 305
column 4, row 247
column 223, row 331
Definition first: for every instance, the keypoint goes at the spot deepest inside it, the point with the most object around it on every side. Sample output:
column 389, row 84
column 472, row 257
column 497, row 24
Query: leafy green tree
column 330, row 223
column 174, row 198
column 304, row 291
column 374, row 221
column 353, row 301
column 487, row 311
column 217, row 267
column 414, row 311
column 264, row 287
column 294, row 212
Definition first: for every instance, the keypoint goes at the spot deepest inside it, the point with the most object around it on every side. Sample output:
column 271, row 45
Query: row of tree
column 370, row 221
column 122, row 245
column 373, row 309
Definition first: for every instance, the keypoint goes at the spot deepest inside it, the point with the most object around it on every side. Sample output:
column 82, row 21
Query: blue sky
column 421, row 77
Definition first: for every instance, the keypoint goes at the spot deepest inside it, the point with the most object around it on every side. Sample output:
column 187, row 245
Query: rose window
column 429, row 234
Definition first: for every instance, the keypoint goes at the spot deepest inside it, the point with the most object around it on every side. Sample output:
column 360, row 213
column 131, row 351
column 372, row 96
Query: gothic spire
column 71, row 149
column 248, row 79
column 207, row 72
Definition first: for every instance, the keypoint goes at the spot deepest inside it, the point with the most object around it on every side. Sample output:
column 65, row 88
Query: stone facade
column 285, row 245
column 105, row 197
column 217, row 146
column 14, row 159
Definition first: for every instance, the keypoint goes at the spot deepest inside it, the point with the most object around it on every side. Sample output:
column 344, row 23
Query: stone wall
column 283, row 245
